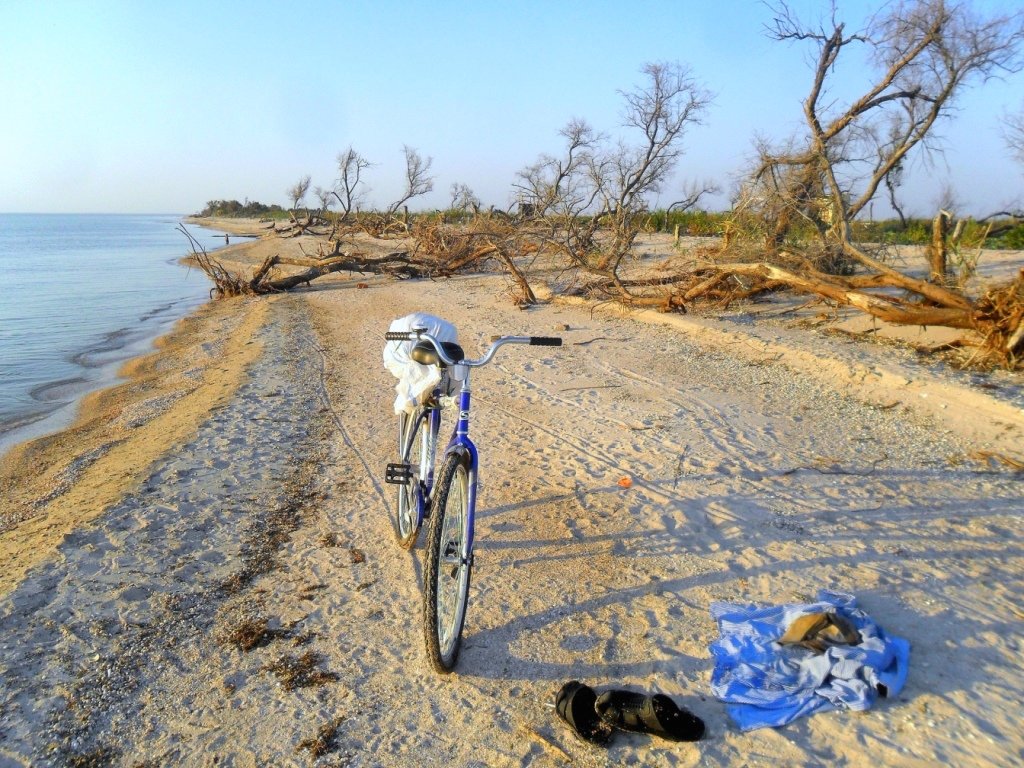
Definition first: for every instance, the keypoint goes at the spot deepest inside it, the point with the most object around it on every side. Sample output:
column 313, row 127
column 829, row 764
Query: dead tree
column 670, row 102
column 598, row 186
column 556, row 193
column 938, row 261
column 926, row 52
column 1013, row 133
column 417, row 182
column 450, row 249
column 228, row 283
column 347, row 189
column 692, row 193
column 323, row 196
column 463, row 198
column 298, row 191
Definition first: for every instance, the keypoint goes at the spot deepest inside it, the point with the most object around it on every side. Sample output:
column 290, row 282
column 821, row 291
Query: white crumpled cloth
column 415, row 380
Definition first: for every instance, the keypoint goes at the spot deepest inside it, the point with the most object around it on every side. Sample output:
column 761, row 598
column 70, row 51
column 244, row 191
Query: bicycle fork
column 461, row 444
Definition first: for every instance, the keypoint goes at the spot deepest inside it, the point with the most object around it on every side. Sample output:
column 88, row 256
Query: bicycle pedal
column 398, row 474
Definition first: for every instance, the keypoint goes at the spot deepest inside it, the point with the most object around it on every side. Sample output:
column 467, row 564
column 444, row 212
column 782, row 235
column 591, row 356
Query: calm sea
column 80, row 294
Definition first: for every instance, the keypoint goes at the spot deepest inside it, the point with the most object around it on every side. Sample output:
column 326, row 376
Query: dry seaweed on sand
column 300, row 671
column 252, row 632
column 324, row 740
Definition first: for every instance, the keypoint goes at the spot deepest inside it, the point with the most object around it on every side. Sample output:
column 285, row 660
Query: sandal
column 656, row 714
column 575, row 704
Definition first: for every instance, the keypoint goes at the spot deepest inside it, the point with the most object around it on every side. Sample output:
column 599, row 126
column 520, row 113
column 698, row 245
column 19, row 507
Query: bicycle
column 449, row 499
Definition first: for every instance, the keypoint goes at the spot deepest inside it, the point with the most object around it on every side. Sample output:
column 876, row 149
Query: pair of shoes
column 592, row 717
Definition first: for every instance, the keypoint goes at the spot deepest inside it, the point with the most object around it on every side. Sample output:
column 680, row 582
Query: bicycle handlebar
column 422, row 335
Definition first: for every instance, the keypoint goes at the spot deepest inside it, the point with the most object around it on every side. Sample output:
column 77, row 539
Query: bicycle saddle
column 425, row 353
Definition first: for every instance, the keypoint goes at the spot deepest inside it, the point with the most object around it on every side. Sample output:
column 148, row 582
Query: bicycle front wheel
column 446, row 576
column 412, row 449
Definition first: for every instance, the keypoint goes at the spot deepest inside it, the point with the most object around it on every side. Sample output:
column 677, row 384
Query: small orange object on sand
column 362, row 285
column 626, row 482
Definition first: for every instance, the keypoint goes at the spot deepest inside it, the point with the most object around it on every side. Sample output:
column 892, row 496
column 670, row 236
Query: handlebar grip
column 398, row 336
column 545, row 341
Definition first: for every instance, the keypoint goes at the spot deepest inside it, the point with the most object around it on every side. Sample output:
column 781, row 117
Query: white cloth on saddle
column 415, row 380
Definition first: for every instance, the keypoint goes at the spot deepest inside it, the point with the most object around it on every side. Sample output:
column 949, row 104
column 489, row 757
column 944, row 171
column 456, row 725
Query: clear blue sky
column 159, row 107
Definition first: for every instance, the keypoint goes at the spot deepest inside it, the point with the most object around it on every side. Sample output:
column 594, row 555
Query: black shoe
column 656, row 714
column 575, row 704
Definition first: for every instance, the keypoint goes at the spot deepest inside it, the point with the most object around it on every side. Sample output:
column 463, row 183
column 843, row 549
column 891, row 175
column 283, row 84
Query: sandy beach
column 202, row 571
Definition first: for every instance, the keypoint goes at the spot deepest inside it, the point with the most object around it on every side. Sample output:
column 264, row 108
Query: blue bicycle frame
column 460, row 443
column 429, row 418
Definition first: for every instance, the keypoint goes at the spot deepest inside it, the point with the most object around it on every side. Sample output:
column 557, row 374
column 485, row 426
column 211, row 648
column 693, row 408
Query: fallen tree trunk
column 229, row 283
column 396, row 264
column 935, row 293
column 890, row 310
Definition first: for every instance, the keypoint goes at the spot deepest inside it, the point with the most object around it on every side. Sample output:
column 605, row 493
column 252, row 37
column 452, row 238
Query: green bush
column 1012, row 240
column 694, row 222
column 246, row 210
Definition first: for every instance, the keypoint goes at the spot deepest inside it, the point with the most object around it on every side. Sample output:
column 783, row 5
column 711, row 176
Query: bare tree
column 662, row 109
column 924, row 52
column 558, row 192
column 324, row 196
column 298, row 191
column 947, row 199
column 417, row 180
column 692, row 193
column 556, row 186
column 1013, row 132
column 893, row 180
column 594, row 184
column 463, row 198
column 347, row 188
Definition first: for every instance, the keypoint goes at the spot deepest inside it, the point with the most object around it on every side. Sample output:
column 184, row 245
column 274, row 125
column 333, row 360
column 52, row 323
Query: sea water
column 79, row 295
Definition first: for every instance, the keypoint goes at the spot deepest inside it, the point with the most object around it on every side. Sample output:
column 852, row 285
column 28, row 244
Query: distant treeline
column 247, row 210
column 999, row 233
column 1003, row 233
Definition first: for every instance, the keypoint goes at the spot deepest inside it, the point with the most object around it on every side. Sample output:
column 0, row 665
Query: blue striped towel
column 768, row 684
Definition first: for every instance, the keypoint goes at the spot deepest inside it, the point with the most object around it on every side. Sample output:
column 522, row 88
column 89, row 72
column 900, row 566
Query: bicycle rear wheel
column 446, row 576
column 411, row 446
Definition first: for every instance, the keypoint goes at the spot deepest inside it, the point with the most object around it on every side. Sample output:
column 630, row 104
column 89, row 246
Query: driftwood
column 452, row 250
column 228, row 283
column 441, row 250
column 997, row 316
column 395, row 264
column 883, row 307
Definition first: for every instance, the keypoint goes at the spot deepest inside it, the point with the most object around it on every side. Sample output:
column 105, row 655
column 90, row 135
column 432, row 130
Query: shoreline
column 52, row 404
column 59, row 400
column 54, row 482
